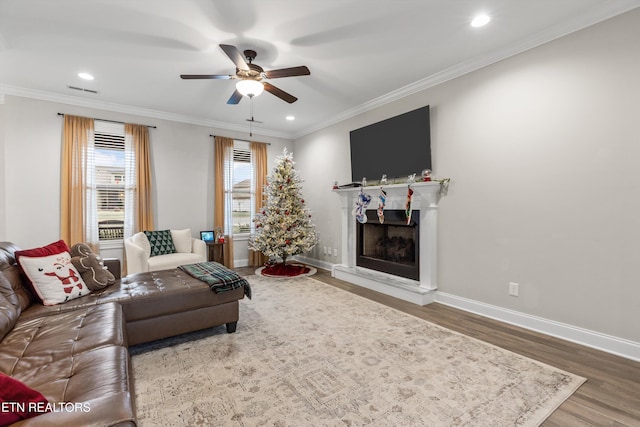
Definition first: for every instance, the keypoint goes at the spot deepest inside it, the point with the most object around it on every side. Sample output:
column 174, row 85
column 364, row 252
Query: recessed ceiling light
column 85, row 76
column 480, row 20
column 290, row 118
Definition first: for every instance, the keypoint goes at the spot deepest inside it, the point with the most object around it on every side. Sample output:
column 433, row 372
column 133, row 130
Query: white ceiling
column 361, row 53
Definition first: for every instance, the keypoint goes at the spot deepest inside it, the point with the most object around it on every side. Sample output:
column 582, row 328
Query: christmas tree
column 283, row 227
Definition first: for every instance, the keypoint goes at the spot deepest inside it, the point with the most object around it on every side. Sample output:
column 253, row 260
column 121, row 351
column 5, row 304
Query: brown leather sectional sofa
column 76, row 352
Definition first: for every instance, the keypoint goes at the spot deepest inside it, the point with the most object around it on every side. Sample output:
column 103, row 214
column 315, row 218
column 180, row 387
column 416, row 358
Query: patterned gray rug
column 309, row 354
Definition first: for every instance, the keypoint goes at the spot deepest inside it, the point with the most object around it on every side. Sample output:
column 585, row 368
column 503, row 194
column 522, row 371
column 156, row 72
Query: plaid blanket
column 217, row 276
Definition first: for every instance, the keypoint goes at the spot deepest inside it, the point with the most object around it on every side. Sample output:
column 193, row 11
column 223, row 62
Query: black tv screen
column 397, row 147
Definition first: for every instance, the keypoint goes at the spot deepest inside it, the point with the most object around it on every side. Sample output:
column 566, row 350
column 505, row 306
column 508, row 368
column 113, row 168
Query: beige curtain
column 259, row 160
column 223, row 160
column 78, row 208
column 138, row 187
column 138, row 209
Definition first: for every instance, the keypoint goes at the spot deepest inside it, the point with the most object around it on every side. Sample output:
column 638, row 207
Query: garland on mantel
column 444, row 185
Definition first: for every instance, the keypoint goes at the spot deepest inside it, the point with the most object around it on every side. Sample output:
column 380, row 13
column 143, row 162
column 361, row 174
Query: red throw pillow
column 17, row 401
column 53, row 277
column 51, row 249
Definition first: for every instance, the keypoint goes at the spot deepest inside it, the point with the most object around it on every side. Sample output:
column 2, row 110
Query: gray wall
column 542, row 150
column 30, row 143
column 3, row 161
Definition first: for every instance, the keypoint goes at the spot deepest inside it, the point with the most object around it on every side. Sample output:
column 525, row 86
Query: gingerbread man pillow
column 91, row 267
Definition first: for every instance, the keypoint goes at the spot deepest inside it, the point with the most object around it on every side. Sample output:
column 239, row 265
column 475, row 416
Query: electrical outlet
column 335, row 252
column 513, row 289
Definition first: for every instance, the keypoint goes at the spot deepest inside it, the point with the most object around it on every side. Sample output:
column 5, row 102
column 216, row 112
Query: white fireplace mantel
column 425, row 200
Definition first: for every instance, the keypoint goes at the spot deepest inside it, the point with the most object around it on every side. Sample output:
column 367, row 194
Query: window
column 242, row 188
column 109, row 161
column 128, row 207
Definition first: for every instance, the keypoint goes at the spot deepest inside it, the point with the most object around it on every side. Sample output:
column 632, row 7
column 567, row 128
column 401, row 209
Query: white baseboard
column 610, row 344
column 607, row 343
column 318, row 263
column 241, row 262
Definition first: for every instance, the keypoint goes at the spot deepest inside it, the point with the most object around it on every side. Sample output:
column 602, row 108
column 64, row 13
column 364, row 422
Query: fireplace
column 392, row 247
column 418, row 286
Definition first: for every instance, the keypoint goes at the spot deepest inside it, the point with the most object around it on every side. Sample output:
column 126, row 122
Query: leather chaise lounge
column 76, row 352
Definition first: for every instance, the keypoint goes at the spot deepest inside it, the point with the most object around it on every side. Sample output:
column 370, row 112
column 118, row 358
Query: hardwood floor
column 610, row 397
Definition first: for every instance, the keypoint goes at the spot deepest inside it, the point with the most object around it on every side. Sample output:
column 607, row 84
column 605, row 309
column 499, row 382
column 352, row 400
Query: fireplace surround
column 420, row 290
column 392, row 246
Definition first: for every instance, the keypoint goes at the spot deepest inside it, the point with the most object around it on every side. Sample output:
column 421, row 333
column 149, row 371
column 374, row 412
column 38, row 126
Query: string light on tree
column 283, row 227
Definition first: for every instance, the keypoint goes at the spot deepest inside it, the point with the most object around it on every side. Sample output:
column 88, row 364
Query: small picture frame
column 207, row 236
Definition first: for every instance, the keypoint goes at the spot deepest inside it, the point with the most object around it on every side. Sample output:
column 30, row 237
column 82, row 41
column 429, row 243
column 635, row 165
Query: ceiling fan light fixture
column 250, row 88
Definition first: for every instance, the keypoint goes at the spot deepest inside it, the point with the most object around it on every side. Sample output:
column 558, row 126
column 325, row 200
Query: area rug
column 308, row 354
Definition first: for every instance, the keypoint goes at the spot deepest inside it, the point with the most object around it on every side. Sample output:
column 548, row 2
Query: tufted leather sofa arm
column 113, row 265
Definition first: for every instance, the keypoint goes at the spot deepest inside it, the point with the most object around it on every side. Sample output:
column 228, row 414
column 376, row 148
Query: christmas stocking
column 408, row 207
column 361, row 206
column 382, row 198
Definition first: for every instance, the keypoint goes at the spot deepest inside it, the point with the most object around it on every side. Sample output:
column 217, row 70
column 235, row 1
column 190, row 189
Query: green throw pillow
column 161, row 242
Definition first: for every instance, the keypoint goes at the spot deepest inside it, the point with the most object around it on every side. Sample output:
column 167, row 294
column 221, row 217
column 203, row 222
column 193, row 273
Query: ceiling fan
column 251, row 76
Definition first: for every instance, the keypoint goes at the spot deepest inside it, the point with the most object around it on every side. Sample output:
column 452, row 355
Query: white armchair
column 188, row 251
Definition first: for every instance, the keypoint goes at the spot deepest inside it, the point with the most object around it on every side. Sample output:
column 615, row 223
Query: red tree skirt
column 288, row 270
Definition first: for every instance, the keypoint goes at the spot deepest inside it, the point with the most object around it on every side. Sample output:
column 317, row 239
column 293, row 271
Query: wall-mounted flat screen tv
column 397, row 147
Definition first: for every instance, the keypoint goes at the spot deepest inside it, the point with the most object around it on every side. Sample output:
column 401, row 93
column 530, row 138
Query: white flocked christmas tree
column 283, row 226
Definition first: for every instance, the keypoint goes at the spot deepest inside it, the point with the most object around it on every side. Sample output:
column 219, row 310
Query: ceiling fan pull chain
column 251, row 111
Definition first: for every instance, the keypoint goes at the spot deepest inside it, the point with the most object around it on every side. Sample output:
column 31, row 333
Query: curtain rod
column 244, row 140
column 112, row 121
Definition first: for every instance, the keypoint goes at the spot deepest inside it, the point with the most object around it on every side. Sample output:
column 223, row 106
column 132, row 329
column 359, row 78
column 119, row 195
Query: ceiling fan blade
column 287, row 72
column 253, row 121
column 234, row 54
column 279, row 93
column 207, row 76
column 235, row 98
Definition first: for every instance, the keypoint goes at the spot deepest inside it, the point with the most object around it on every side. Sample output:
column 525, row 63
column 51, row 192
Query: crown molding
column 603, row 13
column 606, row 11
column 127, row 109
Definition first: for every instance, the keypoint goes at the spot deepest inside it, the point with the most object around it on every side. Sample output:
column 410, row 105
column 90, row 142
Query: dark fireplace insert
column 392, row 247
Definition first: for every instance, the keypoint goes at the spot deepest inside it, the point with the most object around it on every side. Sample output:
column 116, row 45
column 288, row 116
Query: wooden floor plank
column 610, row 397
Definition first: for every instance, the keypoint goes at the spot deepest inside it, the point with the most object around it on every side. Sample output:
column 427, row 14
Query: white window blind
column 241, row 176
column 110, row 178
